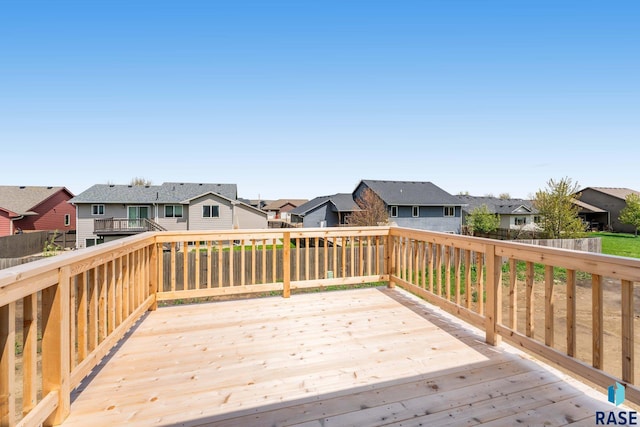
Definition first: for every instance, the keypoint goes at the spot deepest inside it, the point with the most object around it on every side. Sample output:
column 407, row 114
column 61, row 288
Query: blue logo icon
column 616, row 393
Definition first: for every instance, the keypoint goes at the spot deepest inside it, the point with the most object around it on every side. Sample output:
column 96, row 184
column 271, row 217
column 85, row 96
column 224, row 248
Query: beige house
column 108, row 212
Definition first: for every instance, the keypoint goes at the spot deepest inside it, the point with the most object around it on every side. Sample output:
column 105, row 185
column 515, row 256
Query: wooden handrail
column 91, row 297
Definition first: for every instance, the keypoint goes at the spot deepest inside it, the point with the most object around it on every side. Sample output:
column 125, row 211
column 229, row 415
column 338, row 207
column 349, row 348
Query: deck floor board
column 366, row 357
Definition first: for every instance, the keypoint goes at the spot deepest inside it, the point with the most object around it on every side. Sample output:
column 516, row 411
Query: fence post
column 286, row 265
column 493, row 315
column 55, row 345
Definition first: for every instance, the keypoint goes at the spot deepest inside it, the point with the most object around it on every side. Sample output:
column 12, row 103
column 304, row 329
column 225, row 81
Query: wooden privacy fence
column 60, row 316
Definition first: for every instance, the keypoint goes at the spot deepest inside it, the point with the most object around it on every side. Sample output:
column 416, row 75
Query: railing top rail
column 43, row 273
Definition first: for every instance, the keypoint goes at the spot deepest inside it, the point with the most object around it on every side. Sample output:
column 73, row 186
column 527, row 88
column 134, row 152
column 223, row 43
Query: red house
column 35, row 208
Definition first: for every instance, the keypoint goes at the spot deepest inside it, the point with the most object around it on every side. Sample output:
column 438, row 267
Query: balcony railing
column 120, row 226
column 69, row 311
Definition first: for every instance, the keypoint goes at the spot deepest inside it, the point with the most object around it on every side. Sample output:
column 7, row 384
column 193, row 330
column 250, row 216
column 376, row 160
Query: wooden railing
column 485, row 281
column 69, row 311
column 125, row 225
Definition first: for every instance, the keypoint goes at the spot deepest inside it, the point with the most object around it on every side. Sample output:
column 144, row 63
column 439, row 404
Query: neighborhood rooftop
column 411, row 193
column 168, row 192
column 21, row 199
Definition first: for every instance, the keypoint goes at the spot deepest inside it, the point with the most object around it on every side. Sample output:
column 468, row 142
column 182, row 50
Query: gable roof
column 168, row 192
column 500, row 206
column 618, row 192
column 586, row 207
column 341, row 202
column 21, row 200
column 407, row 193
column 278, row 204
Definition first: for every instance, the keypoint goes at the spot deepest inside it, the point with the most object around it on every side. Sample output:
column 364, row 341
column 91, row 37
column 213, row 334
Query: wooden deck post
column 389, row 259
column 493, row 314
column 55, row 345
column 7, row 364
column 286, row 265
column 154, row 266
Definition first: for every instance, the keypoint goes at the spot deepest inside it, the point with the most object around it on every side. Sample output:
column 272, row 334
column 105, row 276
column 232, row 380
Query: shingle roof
column 619, row 192
column 499, row 206
column 278, row 204
column 168, row 192
column 21, row 199
column 342, row 202
column 405, row 193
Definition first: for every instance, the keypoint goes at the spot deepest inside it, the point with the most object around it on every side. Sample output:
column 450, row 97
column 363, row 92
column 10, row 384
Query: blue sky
column 296, row 99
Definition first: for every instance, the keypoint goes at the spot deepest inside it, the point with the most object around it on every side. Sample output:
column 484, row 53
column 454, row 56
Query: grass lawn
column 619, row 244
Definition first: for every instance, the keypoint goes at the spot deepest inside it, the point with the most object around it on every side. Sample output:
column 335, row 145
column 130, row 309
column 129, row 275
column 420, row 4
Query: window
column 97, row 209
column 537, row 219
column 67, row 220
column 210, row 211
column 520, row 220
column 173, row 211
column 449, row 211
column 415, row 211
column 394, row 211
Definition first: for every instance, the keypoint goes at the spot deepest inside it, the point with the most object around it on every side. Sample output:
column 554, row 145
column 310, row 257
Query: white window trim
column 67, row 220
column 211, row 211
column 98, row 206
column 174, row 211
column 391, row 209
column 415, row 211
column 444, row 211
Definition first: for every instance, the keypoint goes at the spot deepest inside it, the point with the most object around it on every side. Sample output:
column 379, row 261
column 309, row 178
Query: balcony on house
column 124, row 226
column 244, row 327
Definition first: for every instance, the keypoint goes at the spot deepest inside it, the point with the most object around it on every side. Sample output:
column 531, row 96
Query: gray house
column 601, row 207
column 325, row 211
column 420, row 205
column 515, row 214
column 107, row 212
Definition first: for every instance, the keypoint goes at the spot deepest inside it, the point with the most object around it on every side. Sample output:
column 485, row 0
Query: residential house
column 515, row 214
column 325, row 211
column 30, row 208
column 420, row 205
column 280, row 209
column 601, row 207
column 106, row 212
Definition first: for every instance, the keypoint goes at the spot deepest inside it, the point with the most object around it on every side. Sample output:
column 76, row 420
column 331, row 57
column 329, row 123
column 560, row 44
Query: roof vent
column 22, row 187
column 111, row 185
column 130, row 186
column 49, row 188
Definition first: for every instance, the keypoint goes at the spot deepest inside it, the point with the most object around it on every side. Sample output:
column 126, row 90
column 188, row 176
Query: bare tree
column 372, row 210
column 140, row 181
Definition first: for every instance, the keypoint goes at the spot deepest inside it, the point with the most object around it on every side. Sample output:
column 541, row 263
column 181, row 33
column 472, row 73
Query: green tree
column 372, row 210
column 481, row 219
column 558, row 212
column 631, row 213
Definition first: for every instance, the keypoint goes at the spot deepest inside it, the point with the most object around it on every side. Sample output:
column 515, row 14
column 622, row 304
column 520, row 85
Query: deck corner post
column 286, row 264
column 153, row 275
column 56, row 345
column 493, row 316
column 389, row 260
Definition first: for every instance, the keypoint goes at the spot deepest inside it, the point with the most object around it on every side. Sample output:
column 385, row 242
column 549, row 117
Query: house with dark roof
column 325, row 211
column 601, row 207
column 106, row 212
column 30, row 208
column 515, row 214
column 281, row 208
column 420, row 205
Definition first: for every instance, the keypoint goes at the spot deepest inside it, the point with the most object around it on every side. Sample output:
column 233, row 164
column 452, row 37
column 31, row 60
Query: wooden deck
column 365, row 357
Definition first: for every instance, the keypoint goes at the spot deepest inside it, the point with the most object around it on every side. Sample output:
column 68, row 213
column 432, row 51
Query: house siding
column 197, row 222
column 173, row 224
column 51, row 214
column 430, row 218
column 611, row 204
column 5, row 224
column 322, row 213
column 248, row 218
